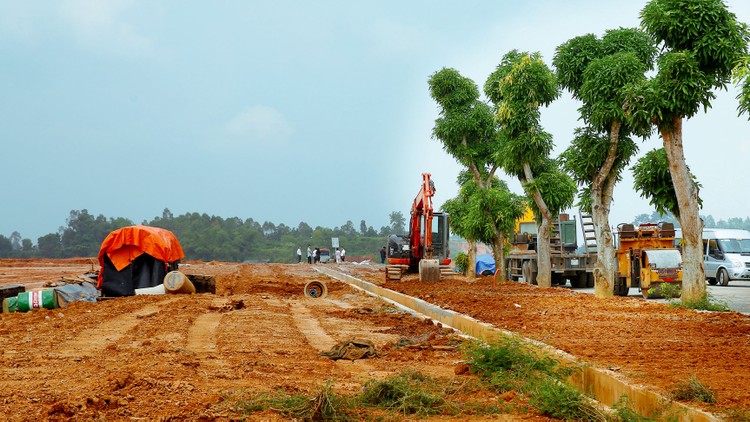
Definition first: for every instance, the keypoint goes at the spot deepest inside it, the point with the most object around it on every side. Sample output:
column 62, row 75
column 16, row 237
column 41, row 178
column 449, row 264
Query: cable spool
column 316, row 289
column 177, row 282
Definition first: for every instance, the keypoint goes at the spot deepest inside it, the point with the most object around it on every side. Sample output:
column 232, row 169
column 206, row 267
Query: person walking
column 338, row 256
column 343, row 255
column 382, row 255
column 309, row 255
column 299, row 254
column 316, row 255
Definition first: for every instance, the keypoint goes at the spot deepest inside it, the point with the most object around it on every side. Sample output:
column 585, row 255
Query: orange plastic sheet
column 128, row 243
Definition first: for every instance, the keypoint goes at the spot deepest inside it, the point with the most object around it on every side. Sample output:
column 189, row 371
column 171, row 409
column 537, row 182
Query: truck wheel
column 621, row 287
column 557, row 279
column 589, row 280
column 579, row 281
column 722, row 277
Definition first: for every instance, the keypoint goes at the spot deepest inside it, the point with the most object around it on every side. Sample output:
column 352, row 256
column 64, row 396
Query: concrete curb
column 601, row 384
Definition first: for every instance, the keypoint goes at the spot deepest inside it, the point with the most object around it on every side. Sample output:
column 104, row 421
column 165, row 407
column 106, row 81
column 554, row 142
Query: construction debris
column 351, row 350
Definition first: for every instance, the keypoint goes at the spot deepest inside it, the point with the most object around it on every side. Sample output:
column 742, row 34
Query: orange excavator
column 425, row 248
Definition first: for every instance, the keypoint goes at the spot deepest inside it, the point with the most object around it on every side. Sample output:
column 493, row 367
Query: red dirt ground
column 182, row 357
column 178, row 356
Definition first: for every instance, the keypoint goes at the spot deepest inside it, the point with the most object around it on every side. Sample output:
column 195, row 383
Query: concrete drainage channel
column 600, row 384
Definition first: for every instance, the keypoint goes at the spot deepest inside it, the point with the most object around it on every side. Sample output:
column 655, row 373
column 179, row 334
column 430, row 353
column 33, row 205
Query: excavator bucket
column 429, row 270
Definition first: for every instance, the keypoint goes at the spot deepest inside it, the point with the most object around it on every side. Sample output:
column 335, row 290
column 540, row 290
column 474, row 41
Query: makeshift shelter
column 136, row 257
column 485, row 264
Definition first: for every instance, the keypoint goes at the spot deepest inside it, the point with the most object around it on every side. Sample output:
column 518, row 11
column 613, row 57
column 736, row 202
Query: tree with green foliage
column 6, row 248
column 469, row 133
column 476, row 213
column 596, row 72
column 701, row 43
column 398, row 222
column 652, row 179
column 520, row 85
column 84, row 233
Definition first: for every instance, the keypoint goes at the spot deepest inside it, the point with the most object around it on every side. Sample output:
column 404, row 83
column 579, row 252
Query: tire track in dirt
column 91, row 341
column 320, row 340
column 201, row 337
column 308, row 325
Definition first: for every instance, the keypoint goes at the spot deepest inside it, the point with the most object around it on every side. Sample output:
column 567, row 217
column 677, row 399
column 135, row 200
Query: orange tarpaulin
column 128, row 243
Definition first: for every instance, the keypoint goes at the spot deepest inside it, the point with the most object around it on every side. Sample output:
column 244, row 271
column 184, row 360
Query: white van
column 726, row 254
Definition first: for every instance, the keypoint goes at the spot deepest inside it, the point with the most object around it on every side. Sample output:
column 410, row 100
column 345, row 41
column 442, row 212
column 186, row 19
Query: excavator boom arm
column 421, row 215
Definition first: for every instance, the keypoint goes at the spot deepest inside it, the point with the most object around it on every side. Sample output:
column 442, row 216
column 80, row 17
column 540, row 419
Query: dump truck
column 647, row 259
column 569, row 261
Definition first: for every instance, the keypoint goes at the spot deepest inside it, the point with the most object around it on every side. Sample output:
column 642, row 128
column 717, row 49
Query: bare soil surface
column 182, row 356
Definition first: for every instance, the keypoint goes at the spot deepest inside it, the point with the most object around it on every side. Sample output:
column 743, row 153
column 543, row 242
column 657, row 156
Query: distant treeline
column 708, row 221
column 205, row 237
column 212, row 238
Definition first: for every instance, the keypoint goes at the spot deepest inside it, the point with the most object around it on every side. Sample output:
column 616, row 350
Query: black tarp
column 144, row 271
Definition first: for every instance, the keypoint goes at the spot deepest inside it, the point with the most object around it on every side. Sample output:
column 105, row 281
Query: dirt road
column 184, row 356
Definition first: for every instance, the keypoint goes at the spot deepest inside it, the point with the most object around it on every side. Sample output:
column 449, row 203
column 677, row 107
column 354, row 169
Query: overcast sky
column 281, row 111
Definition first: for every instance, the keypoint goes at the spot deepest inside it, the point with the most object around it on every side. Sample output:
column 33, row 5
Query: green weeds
column 693, row 389
column 325, row 405
column 408, row 393
column 707, row 303
column 510, row 364
column 669, row 290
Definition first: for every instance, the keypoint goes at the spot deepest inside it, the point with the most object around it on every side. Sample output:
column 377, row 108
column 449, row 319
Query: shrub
column 461, row 261
column 560, row 401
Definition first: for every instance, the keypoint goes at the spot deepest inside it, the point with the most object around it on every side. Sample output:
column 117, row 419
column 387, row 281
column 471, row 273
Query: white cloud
column 101, row 23
column 260, row 124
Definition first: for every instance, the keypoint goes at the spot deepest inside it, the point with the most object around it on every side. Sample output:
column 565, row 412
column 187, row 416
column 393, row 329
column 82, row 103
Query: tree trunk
column 601, row 198
column 693, row 274
column 604, row 270
column 471, row 268
column 543, row 256
column 498, row 251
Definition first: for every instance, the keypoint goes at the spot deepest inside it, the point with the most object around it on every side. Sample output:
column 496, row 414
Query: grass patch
column 561, row 401
column 510, row 364
column 693, row 389
column 325, row 405
column 622, row 412
column 408, row 393
column 707, row 303
column 737, row 415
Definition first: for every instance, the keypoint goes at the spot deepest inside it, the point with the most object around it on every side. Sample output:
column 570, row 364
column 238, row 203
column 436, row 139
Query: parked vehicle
column 647, row 259
column 325, row 255
column 567, row 262
column 726, row 254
